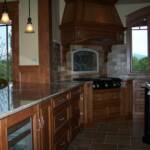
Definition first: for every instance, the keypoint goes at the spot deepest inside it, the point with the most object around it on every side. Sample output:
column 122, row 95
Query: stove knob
column 106, row 85
column 97, row 86
column 114, row 85
column 94, row 86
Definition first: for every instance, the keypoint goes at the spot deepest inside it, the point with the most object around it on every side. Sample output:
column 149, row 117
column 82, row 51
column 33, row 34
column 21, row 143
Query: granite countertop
column 18, row 97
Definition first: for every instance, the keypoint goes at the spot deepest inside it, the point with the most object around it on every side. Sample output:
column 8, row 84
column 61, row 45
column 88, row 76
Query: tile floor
column 114, row 135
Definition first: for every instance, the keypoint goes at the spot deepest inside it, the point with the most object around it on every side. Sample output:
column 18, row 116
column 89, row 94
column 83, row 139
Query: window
column 138, row 41
column 9, row 59
column 84, row 60
column 139, row 49
column 5, row 53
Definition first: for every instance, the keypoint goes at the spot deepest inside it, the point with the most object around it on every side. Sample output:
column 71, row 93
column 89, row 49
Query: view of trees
column 139, row 64
column 5, row 59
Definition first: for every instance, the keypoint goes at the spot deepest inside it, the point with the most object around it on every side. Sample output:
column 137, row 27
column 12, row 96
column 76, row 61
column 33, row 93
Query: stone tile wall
column 117, row 61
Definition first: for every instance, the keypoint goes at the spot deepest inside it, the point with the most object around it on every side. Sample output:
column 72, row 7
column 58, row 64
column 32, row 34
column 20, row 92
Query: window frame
column 137, row 19
column 13, row 10
column 142, row 71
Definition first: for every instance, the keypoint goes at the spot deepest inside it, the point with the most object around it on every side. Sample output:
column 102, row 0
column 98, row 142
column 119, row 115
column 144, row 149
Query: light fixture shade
column 29, row 26
column 5, row 18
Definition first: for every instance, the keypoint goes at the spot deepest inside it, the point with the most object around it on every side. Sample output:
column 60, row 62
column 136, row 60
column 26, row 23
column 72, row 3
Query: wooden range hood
column 91, row 22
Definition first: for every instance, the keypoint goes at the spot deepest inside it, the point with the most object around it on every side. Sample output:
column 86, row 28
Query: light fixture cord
column 5, row 6
column 29, row 8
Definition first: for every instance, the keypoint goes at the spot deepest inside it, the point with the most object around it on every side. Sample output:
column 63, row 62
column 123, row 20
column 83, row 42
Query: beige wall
column 125, row 9
column 55, row 21
column 28, row 43
column 61, row 9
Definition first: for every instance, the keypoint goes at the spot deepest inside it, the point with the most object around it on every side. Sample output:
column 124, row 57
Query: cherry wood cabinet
column 106, row 104
column 53, row 123
column 138, row 98
column 113, row 103
column 60, row 121
column 75, row 124
column 126, row 107
column 18, row 128
column 45, row 123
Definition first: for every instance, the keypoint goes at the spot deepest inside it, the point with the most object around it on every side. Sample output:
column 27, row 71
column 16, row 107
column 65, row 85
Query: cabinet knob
column 61, row 119
column 81, row 97
column 62, row 144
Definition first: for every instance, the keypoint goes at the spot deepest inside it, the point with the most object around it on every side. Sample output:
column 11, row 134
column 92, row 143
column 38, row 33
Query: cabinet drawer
column 60, row 117
column 61, row 140
column 60, row 99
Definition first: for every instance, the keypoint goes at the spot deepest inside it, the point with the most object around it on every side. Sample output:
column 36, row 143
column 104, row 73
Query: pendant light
column 5, row 17
column 29, row 26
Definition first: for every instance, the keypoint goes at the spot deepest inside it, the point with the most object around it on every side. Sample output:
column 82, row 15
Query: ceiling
column 132, row 1
column 119, row 1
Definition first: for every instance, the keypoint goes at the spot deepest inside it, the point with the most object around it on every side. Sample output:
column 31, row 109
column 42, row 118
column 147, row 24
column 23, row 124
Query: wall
column 61, row 9
column 117, row 59
column 55, row 22
column 28, row 43
column 125, row 9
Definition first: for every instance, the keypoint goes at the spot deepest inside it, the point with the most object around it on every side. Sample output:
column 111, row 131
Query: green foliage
column 4, row 73
column 139, row 65
column 5, row 61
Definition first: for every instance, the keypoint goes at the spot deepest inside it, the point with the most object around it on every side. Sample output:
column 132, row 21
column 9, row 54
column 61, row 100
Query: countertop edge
column 38, row 101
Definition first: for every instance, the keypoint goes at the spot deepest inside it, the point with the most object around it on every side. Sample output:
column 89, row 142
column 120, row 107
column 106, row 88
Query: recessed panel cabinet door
column 45, row 121
column 20, row 131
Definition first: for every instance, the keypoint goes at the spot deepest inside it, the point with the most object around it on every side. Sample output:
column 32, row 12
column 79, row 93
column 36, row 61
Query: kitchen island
column 41, row 117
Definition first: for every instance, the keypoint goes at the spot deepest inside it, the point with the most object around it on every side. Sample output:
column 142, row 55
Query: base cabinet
column 45, row 125
column 61, row 139
column 113, row 103
column 75, row 123
column 49, row 125
column 20, row 130
column 106, row 104
column 138, row 98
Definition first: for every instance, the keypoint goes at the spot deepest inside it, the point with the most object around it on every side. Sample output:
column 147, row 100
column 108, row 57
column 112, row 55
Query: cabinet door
column 45, row 122
column 61, row 139
column 60, row 121
column 138, row 98
column 75, row 111
column 21, row 131
column 20, row 135
column 106, row 104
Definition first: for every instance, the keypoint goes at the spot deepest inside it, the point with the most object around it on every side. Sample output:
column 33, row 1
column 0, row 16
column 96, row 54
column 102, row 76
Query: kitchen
column 108, row 47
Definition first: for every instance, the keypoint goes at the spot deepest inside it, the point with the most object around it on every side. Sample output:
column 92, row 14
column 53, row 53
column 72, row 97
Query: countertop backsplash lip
column 48, row 91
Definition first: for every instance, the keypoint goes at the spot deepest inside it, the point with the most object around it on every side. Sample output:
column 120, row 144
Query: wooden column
column 45, row 39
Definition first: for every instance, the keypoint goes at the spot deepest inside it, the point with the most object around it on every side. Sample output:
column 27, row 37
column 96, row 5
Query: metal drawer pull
column 62, row 144
column 38, row 125
column 81, row 113
column 42, row 122
column 61, row 119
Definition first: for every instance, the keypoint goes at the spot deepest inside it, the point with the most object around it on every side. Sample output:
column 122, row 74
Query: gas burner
column 102, row 82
